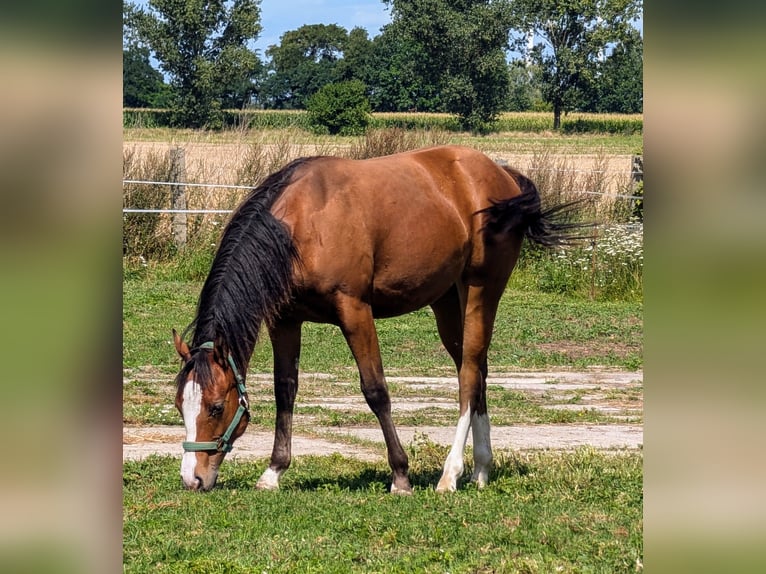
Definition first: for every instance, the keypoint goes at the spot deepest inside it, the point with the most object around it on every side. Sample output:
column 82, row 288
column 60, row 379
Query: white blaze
column 191, row 408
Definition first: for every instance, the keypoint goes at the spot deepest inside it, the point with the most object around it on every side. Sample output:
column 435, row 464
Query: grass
column 532, row 330
column 569, row 512
column 542, row 512
column 506, row 142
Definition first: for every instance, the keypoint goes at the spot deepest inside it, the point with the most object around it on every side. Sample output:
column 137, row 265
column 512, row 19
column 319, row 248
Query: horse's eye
column 215, row 410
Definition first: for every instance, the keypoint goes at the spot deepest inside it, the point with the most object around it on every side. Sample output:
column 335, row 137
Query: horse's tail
column 552, row 226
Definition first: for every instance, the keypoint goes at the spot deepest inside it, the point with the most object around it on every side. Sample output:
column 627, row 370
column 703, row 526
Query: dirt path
column 617, row 394
column 222, row 162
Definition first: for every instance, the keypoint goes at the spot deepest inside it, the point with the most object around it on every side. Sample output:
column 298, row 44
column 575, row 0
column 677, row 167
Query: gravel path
column 139, row 442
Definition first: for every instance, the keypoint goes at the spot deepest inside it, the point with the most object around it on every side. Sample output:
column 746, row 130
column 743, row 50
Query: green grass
column 542, row 512
column 572, row 512
column 520, row 133
column 532, row 330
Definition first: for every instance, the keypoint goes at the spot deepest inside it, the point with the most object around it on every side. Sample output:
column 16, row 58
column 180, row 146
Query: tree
column 358, row 57
column 395, row 83
column 203, row 46
column 576, row 34
column 619, row 84
column 458, row 50
column 305, row 60
column 524, row 90
column 142, row 85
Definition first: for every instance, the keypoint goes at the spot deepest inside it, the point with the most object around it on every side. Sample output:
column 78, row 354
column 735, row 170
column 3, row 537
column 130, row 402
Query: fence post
column 637, row 169
column 178, row 194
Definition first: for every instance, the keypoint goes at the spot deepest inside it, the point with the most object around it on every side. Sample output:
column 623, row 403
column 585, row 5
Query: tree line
column 434, row 56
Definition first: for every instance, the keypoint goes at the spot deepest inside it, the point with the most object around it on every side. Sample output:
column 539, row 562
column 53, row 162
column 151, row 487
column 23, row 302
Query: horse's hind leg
column 358, row 328
column 286, row 344
column 481, row 306
column 448, row 311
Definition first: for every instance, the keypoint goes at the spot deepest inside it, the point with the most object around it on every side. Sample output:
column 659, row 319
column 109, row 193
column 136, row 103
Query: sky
column 280, row 16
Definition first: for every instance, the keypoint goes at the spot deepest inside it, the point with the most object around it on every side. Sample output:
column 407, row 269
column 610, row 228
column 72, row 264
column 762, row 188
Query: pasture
column 543, row 511
column 571, row 510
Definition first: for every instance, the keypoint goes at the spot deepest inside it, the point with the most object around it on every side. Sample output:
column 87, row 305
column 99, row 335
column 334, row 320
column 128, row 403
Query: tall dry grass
column 149, row 237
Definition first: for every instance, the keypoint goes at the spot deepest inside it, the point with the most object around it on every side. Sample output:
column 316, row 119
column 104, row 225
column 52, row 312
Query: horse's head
column 213, row 404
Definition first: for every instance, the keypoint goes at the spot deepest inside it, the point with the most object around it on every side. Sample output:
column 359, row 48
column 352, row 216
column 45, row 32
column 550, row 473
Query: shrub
column 341, row 108
column 386, row 141
column 608, row 268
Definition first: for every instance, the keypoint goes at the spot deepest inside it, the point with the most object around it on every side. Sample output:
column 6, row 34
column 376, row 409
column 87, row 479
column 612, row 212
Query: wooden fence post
column 637, row 169
column 178, row 194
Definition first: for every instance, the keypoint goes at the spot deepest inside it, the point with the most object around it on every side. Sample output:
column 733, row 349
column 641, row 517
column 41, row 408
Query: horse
column 342, row 241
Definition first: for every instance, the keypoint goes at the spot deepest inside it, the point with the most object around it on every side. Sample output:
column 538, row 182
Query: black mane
column 250, row 278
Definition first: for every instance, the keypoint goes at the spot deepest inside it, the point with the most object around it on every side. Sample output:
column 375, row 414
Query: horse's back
column 397, row 230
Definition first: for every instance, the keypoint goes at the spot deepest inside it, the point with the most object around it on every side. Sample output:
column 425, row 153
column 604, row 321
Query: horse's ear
column 220, row 351
column 181, row 347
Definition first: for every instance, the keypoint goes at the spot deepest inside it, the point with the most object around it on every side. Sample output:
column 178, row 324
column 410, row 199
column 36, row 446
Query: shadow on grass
column 338, row 473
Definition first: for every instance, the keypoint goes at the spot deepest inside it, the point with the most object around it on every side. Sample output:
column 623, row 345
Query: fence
column 178, row 188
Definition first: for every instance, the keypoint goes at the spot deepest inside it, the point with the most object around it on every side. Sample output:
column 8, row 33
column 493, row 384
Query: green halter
column 223, row 444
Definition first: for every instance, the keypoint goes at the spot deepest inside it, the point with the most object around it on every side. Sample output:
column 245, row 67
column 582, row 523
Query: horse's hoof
column 269, row 480
column 401, row 485
column 446, row 486
column 480, row 481
column 401, row 491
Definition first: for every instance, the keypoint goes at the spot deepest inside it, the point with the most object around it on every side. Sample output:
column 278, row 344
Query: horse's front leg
column 286, row 344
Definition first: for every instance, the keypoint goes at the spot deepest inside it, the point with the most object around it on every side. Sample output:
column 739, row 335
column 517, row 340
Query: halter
column 223, row 444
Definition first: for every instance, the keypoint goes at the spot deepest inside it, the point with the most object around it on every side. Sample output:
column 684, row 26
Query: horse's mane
column 250, row 278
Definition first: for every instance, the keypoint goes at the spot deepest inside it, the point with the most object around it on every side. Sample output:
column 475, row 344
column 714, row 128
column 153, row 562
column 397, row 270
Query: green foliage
column 341, row 108
column 457, row 49
column 533, row 122
column 142, row 85
column 305, row 60
column 578, row 511
column 203, row 47
column 575, row 33
column 524, row 89
column 602, row 124
column 638, row 206
column 619, row 85
column 608, row 268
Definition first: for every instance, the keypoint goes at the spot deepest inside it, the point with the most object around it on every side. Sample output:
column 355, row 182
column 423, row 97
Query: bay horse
column 343, row 241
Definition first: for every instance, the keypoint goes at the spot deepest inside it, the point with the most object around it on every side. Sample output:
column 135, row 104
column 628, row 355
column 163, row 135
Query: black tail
column 550, row 227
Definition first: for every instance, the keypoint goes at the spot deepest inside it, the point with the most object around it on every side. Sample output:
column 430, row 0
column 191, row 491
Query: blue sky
column 280, row 16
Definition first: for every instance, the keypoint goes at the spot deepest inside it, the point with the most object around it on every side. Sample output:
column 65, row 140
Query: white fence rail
column 178, row 189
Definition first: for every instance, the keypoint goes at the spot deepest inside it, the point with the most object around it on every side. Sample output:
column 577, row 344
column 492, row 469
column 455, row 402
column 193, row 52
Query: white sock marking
column 453, row 466
column 482, row 449
column 269, row 480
